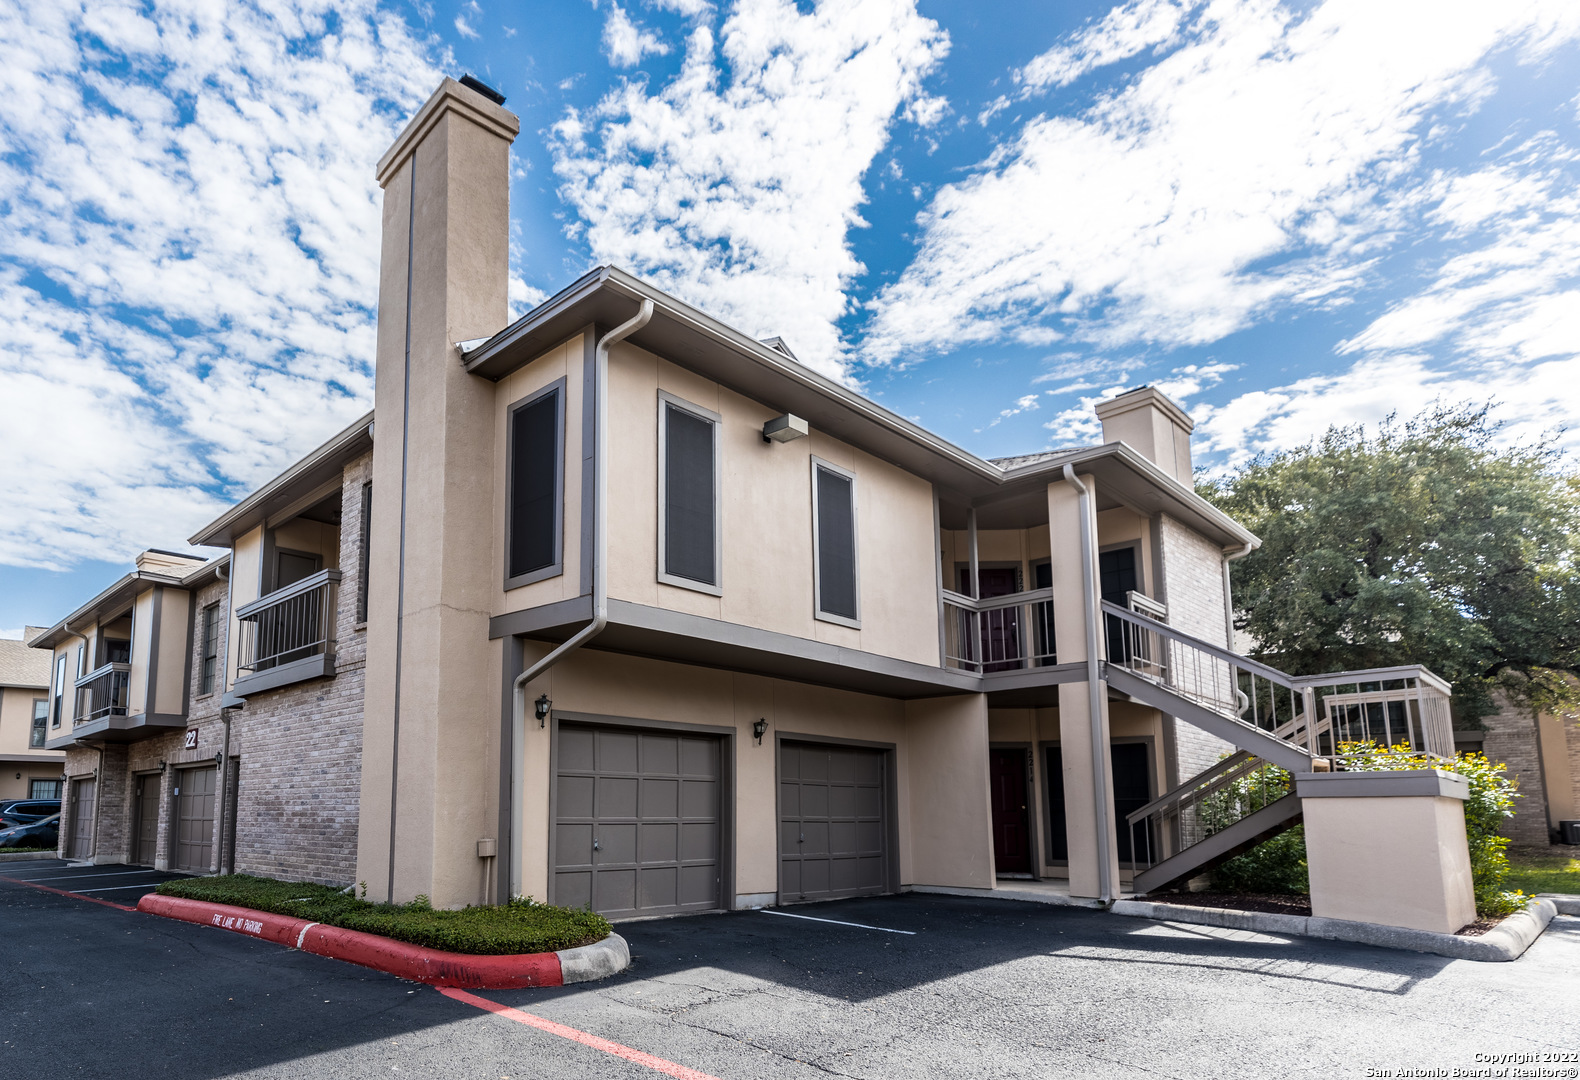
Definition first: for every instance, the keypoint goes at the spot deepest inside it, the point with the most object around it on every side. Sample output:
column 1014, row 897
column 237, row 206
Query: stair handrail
column 1203, row 783
column 1234, row 659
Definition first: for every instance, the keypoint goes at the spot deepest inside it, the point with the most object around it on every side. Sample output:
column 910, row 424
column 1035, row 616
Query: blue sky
column 1288, row 215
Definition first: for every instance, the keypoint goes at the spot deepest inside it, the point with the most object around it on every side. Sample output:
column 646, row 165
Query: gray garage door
column 636, row 821
column 81, row 844
column 833, row 829
column 195, row 791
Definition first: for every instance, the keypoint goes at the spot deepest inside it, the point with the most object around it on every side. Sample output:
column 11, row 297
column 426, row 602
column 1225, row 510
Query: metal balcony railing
column 1001, row 633
column 103, row 692
column 293, row 623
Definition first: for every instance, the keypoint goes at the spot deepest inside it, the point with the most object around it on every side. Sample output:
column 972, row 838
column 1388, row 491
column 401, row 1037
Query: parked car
column 27, row 811
column 38, row 834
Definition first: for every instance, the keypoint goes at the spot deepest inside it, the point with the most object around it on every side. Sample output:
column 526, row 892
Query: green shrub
column 1278, row 865
column 521, row 926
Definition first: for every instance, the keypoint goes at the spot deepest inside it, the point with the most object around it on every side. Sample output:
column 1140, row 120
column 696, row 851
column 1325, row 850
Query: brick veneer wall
column 299, row 749
column 1192, row 572
column 1511, row 739
column 301, row 759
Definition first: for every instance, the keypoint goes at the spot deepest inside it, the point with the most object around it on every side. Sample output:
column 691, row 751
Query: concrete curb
column 26, row 856
column 1031, row 896
column 1566, row 903
column 414, row 962
column 1507, row 941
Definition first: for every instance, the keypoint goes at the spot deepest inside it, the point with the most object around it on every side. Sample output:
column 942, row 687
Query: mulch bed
column 1277, row 905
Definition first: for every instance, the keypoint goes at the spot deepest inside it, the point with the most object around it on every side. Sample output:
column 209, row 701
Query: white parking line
column 118, row 888
column 84, row 877
column 838, row 922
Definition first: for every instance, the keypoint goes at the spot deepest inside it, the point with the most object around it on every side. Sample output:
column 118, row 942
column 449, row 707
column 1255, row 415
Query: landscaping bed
column 28, row 850
column 521, row 926
column 1235, row 901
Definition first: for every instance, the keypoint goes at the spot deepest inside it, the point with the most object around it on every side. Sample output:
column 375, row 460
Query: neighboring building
column 27, row 769
column 623, row 608
column 1542, row 752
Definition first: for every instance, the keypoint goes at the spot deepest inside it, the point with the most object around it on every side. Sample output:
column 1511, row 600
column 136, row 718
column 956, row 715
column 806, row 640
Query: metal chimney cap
column 472, row 82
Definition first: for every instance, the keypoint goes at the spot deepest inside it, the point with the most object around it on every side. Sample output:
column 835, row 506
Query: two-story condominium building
column 27, row 769
column 617, row 606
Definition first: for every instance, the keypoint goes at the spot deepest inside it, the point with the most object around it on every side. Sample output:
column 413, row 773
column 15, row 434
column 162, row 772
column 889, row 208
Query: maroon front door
column 1000, row 628
column 1011, row 822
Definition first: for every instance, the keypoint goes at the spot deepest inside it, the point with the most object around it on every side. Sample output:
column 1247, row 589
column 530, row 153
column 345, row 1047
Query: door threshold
column 1014, row 877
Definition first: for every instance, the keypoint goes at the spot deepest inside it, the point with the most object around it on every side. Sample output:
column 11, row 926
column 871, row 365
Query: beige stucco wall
column 246, row 566
column 142, row 645
column 175, row 615
column 766, row 520
column 311, row 537
column 1400, row 861
column 20, row 764
column 940, row 796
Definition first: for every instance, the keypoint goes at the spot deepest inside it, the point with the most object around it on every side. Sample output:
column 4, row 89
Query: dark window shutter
column 534, row 515
column 836, row 544
column 689, row 504
column 364, row 558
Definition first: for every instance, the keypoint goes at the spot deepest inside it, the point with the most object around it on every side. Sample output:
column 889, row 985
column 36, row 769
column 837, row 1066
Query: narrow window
column 40, row 718
column 688, row 494
column 535, row 487
column 60, row 689
column 210, row 649
column 834, row 532
column 362, row 555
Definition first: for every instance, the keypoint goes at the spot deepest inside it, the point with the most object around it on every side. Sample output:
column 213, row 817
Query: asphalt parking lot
column 975, row 988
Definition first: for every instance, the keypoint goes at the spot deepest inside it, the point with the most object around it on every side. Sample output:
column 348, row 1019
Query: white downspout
column 1230, row 556
column 1094, row 694
column 600, row 613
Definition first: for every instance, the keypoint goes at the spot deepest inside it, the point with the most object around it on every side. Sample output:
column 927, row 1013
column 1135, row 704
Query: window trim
column 57, row 690
column 557, row 567
column 817, row 555
column 39, row 723
column 209, row 637
column 364, row 554
column 666, row 399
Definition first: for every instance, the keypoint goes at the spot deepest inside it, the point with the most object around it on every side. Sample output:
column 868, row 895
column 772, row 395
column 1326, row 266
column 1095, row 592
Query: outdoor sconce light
column 540, row 708
column 759, row 729
column 161, row 764
column 784, row 428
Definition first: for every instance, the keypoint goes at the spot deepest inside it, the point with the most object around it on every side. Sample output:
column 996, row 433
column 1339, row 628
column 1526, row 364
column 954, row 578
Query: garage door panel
column 574, row 796
column 833, row 840
column 658, row 798
column 617, row 752
column 616, row 797
column 659, row 754
column 699, row 757
column 573, row 890
column 654, row 814
column 699, row 841
column 699, row 799
column 573, row 844
column 659, row 887
column 659, row 843
column 614, row 890
column 616, row 843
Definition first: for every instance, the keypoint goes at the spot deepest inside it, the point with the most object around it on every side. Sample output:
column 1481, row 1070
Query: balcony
column 1000, row 633
column 103, row 692
column 288, row 636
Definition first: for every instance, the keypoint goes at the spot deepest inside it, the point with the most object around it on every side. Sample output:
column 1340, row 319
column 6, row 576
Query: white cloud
column 1122, row 33
column 625, row 43
column 191, row 241
column 464, row 28
column 1080, row 424
column 736, row 184
column 691, row 9
column 1264, row 161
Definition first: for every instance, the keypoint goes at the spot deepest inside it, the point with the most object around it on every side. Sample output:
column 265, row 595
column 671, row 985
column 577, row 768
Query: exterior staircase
column 1279, row 724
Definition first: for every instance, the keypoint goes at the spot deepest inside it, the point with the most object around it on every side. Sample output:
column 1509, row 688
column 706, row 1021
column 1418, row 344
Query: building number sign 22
column 191, row 743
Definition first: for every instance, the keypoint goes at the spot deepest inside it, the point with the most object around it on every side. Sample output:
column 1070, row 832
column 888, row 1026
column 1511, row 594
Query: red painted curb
column 414, row 962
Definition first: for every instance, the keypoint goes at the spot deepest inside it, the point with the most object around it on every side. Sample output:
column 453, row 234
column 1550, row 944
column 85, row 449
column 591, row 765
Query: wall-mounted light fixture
column 541, row 707
column 161, row 764
column 759, row 729
column 784, row 428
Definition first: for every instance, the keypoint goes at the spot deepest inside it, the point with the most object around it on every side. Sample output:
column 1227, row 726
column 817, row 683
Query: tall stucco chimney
column 1152, row 425
column 431, row 708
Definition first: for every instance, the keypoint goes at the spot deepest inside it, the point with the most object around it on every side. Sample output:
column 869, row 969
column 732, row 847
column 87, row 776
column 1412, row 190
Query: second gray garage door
column 636, row 828
column 833, row 824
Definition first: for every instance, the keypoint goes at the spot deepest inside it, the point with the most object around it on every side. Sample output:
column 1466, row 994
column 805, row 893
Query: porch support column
column 1087, row 781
